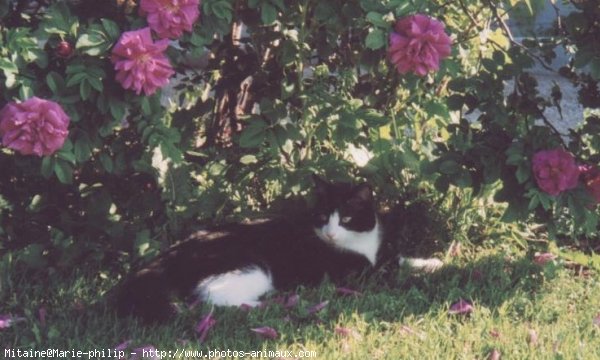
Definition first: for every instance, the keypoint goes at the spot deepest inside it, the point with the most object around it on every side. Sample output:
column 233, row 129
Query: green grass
column 402, row 318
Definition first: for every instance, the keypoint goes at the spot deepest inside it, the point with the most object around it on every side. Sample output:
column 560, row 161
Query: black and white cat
column 236, row 264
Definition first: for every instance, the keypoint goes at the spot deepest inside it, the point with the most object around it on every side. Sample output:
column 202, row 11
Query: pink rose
column 555, row 170
column 170, row 18
column 590, row 175
column 34, row 126
column 418, row 44
column 140, row 63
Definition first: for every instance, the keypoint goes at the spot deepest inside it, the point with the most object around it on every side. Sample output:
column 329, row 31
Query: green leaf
column 58, row 20
column 94, row 42
column 146, row 108
column 223, row 10
column 66, row 154
column 374, row 118
column 248, row 159
column 117, row 108
column 254, row 134
column 8, row 66
column 375, row 39
column 96, row 83
column 376, row 19
column 82, row 149
column 106, row 162
column 85, row 89
column 523, row 172
column 47, row 166
column 89, row 41
column 280, row 4
column 112, row 29
column 268, row 13
column 63, row 171
column 55, row 82
column 76, row 79
column 449, row 167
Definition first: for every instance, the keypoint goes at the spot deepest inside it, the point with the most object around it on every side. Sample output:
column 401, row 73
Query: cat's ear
column 363, row 192
column 321, row 186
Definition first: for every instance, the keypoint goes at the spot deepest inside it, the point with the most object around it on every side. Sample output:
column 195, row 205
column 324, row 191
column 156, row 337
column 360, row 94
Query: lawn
column 521, row 310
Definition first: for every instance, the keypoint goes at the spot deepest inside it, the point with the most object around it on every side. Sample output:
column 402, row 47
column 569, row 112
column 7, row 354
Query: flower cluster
column 34, row 126
column 170, row 18
column 140, row 62
column 556, row 171
column 418, row 44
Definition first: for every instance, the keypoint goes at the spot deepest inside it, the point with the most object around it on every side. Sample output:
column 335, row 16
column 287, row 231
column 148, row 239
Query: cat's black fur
column 287, row 248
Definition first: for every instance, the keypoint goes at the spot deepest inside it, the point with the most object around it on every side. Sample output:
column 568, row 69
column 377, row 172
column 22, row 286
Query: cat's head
column 343, row 213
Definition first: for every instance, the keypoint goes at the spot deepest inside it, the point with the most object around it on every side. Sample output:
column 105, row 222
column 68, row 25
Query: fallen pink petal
column 291, row 301
column 477, row 275
column 532, row 337
column 346, row 332
column 318, row 307
column 543, row 258
column 122, row 346
column 494, row 355
column 596, row 320
column 461, row 307
column 266, row 332
column 7, row 321
column 347, row 291
column 205, row 324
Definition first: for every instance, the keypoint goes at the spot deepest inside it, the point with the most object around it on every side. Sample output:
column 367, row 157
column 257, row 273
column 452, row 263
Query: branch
column 512, row 39
column 551, row 126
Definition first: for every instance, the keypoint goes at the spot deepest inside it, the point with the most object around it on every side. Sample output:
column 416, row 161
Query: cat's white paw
column 424, row 265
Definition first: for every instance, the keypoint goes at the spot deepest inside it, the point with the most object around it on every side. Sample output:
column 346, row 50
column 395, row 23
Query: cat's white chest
column 364, row 243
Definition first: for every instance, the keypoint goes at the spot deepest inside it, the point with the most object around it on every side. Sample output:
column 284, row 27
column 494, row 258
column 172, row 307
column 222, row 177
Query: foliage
column 267, row 92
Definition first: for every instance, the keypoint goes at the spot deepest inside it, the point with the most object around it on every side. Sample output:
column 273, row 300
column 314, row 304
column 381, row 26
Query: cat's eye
column 322, row 217
column 345, row 219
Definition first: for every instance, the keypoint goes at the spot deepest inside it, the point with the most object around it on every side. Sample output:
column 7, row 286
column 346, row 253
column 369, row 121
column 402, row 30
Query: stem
column 512, row 40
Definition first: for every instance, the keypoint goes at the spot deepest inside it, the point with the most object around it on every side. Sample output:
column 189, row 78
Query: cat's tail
column 146, row 295
column 423, row 265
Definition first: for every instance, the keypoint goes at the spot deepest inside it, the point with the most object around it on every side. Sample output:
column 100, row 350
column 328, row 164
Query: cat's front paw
column 423, row 265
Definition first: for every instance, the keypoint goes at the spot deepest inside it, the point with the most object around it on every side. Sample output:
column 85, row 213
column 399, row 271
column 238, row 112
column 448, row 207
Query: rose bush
column 179, row 113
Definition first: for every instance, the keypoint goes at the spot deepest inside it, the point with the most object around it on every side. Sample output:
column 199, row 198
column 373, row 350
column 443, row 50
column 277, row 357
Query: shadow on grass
column 73, row 319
